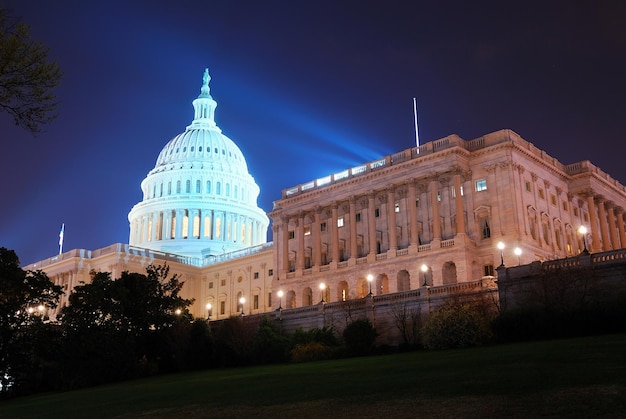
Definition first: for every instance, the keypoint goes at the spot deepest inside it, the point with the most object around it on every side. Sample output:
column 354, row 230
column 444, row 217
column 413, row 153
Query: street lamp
column 322, row 289
column 583, row 232
column 280, row 299
column 424, row 270
column 208, row 311
column 370, row 278
column 178, row 311
column 501, row 247
column 518, row 253
column 241, row 301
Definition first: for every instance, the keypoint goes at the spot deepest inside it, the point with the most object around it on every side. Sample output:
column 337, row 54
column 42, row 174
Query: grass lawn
column 563, row 378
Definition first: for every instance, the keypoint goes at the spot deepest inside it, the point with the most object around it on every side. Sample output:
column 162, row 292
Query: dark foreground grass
column 563, row 378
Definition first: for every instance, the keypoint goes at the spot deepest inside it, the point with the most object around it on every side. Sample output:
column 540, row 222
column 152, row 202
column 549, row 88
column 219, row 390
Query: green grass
column 563, row 378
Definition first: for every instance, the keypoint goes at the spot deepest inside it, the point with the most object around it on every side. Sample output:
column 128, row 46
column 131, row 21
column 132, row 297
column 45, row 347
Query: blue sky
column 305, row 89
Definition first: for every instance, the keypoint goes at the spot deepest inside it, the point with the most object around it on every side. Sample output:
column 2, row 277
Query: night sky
column 304, row 88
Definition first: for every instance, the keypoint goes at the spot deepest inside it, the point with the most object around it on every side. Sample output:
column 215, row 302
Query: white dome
column 199, row 200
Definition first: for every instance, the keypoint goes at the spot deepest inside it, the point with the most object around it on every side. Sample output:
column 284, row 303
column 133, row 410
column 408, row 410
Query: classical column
column 460, row 212
column 621, row 227
column 391, row 219
column 179, row 224
column 612, row 228
column 593, row 220
column 411, row 201
column 300, row 236
column 371, row 222
column 284, row 246
column 317, row 238
column 154, row 216
column 353, row 253
column 606, row 241
column 334, row 231
column 434, row 202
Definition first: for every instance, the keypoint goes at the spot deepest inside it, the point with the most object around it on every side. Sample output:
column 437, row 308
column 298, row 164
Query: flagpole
column 417, row 136
column 61, row 234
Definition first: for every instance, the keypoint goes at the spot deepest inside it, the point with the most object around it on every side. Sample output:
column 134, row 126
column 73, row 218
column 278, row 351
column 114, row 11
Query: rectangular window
column 484, row 228
column 256, row 275
column 222, row 307
column 340, row 222
column 357, row 217
column 211, row 285
column 564, row 205
column 270, row 272
column 223, row 283
column 553, row 199
column 292, row 234
column 307, row 230
column 575, row 212
column 377, row 212
column 541, row 195
column 488, row 269
column 417, row 203
column 256, row 302
column 481, row 185
column 438, row 196
column 323, row 226
column 527, row 186
column 396, row 207
column 269, row 299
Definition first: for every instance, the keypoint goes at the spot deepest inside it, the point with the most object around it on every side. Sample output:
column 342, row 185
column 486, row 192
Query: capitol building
column 447, row 212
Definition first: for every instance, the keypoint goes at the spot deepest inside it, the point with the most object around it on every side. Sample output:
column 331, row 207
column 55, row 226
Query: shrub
column 456, row 325
column 359, row 337
column 312, row 351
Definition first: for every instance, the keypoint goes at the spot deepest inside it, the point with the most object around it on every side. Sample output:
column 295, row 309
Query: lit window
column 340, row 222
column 481, row 185
column 307, row 230
column 396, row 207
column 438, row 196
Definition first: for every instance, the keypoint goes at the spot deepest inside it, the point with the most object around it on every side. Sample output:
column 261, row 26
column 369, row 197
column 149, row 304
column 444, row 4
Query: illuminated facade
column 431, row 216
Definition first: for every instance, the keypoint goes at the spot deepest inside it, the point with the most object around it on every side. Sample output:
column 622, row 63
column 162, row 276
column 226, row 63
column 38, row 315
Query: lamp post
column 501, row 247
column 280, row 299
column 583, row 232
column 424, row 270
column 518, row 253
column 241, row 301
column 370, row 278
column 322, row 289
column 208, row 311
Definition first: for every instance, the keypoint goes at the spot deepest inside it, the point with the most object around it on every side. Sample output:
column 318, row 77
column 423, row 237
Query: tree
column 26, row 76
column 24, row 298
column 117, row 329
column 359, row 337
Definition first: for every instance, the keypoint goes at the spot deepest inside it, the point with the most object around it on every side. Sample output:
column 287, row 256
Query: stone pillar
column 434, row 203
column 621, row 227
column 300, row 236
column 460, row 212
column 391, row 219
column 284, row 246
column 317, row 238
column 411, row 200
column 334, row 233
column 353, row 253
column 179, row 224
column 593, row 220
column 371, row 222
column 612, row 228
column 604, row 230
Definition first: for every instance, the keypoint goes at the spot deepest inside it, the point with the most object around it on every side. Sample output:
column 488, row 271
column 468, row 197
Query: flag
column 61, row 233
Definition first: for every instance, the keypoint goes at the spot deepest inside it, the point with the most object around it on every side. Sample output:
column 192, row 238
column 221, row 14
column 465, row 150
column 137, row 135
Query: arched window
column 169, row 187
column 188, row 186
column 307, row 296
column 449, row 273
column 403, row 280
column 198, row 186
column 218, row 188
column 236, row 191
column 178, row 187
column 208, row 186
column 228, row 189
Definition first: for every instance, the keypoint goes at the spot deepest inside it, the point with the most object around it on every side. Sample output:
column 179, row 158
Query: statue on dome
column 206, row 77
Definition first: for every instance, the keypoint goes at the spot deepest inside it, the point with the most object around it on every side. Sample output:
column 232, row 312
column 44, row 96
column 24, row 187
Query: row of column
column 281, row 231
column 208, row 224
column 607, row 225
